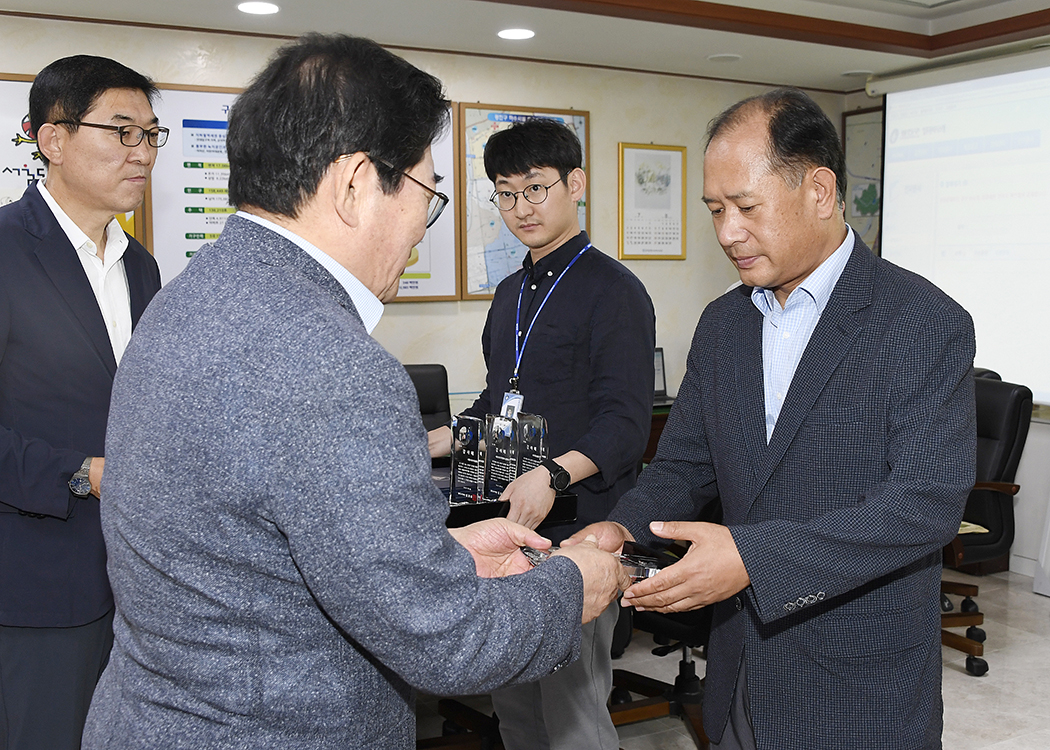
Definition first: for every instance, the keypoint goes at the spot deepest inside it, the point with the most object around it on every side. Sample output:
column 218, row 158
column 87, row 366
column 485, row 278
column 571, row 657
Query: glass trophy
column 639, row 566
column 501, row 454
column 532, row 441
column 489, row 454
column 468, row 460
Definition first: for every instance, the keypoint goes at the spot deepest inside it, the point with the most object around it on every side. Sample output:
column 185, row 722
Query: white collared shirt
column 368, row 305
column 107, row 278
column 786, row 331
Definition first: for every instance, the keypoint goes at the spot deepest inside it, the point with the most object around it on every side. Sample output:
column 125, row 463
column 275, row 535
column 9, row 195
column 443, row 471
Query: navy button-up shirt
column 587, row 367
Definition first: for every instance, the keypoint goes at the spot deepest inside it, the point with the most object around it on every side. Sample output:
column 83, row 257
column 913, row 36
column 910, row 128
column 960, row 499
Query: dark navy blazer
column 56, row 372
column 839, row 519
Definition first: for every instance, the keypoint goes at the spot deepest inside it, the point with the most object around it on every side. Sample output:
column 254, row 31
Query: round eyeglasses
column 130, row 135
column 505, row 200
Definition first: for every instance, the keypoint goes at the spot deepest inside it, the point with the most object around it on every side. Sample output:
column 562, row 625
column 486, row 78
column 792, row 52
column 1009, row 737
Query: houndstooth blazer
column 839, row 519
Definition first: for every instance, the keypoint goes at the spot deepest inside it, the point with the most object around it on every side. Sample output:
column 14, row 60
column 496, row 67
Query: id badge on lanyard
column 512, row 399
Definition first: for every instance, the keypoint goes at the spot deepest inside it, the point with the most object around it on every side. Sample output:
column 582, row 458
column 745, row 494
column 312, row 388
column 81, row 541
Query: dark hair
column 67, row 89
column 535, row 142
column 321, row 97
column 801, row 136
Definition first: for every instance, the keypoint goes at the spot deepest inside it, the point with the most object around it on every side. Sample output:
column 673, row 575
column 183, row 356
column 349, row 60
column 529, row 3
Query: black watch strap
column 560, row 478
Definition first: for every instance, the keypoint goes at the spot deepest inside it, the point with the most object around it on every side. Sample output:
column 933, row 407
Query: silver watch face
column 80, row 486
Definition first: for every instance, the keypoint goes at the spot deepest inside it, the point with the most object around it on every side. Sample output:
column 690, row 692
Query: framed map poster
column 489, row 253
column 432, row 272
column 652, row 202
column 862, row 142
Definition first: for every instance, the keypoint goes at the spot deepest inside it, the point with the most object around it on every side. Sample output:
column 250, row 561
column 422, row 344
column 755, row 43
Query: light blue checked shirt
column 369, row 307
column 786, row 332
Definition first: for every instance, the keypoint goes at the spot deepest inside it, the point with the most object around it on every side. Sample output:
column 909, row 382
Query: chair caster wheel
column 976, row 666
column 946, row 603
column 975, row 633
column 969, row 605
column 620, row 696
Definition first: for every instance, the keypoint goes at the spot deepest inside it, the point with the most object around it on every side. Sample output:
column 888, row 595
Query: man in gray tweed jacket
column 277, row 551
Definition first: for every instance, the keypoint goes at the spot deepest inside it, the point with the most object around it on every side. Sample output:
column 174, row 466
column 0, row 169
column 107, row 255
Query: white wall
column 631, row 107
column 860, row 100
column 1032, row 502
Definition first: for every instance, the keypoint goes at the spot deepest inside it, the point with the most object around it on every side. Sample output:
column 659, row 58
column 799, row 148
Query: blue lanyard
column 519, row 344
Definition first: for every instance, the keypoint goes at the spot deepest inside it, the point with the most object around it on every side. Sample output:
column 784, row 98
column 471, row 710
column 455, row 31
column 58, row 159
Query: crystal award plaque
column 468, row 460
column 532, row 441
column 639, row 567
column 501, row 454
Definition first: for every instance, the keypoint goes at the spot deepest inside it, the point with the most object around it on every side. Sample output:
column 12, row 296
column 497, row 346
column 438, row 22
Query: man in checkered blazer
column 828, row 404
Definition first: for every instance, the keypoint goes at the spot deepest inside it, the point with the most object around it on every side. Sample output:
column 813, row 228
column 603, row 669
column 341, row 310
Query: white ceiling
column 597, row 39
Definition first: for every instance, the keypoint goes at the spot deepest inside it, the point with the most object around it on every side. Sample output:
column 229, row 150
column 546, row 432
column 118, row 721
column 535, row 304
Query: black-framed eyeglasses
column 505, row 200
column 438, row 201
column 130, row 135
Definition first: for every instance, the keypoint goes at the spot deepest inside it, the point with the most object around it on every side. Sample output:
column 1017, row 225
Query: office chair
column 984, row 372
column 431, row 382
column 1004, row 412
column 682, row 631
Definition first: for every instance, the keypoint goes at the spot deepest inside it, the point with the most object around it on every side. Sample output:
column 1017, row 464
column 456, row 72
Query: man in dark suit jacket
column 72, row 285
column 282, row 573
column 828, row 403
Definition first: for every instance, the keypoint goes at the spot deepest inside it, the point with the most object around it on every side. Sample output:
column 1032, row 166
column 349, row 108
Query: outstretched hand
column 530, row 497
column 495, row 546
column 439, row 441
column 603, row 575
column 98, row 464
column 712, row 570
column 609, row 535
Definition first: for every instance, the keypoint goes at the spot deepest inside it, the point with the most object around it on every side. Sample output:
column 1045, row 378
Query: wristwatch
column 559, row 477
column 80, row 485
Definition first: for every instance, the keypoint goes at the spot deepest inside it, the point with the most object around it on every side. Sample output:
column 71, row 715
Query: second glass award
column 468, row 460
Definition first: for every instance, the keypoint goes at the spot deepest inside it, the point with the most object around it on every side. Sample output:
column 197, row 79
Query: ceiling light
column 516, row 34
column 258, row 9
column 724, row 57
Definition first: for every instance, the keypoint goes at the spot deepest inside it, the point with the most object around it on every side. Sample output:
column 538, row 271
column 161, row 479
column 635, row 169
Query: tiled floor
column 1006, row 709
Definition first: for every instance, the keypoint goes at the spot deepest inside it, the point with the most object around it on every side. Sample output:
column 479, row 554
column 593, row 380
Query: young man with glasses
column 573, row 332
column 72, row 286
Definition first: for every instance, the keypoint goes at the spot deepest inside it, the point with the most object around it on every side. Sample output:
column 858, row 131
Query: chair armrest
column 1005, row 487
column 952, row 553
